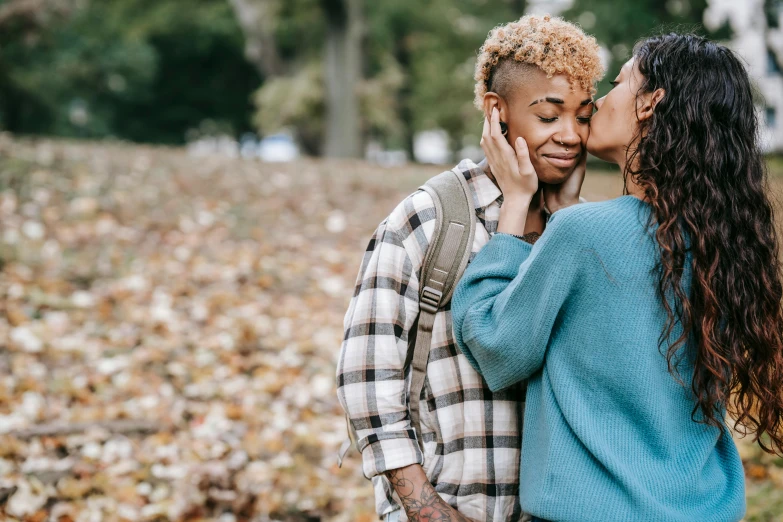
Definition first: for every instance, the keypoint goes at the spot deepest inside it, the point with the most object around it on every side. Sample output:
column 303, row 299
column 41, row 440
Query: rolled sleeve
column 385, row 451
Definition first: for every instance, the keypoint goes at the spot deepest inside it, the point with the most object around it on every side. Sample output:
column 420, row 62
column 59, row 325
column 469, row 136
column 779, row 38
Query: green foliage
column 443, row 56
column 380, row 103
column 420, row 57
column 618, row 24
column 773, row 10
column 418, row 67
column 149, row 70
column 295, row 101
column 135, row 69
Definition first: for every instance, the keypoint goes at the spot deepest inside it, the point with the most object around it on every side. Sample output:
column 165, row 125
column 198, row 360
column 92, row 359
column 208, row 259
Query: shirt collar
column 484, row 190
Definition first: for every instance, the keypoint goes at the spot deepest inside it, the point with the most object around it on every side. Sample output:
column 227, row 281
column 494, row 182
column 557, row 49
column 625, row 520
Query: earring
column 503, row 128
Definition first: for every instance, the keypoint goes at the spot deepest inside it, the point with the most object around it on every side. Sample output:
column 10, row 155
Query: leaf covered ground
column 169, row 327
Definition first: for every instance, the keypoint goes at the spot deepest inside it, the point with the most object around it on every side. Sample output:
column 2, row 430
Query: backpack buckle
column 430, row 299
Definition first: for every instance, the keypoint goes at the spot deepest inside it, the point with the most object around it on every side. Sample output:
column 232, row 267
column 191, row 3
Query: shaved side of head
column 510, row 76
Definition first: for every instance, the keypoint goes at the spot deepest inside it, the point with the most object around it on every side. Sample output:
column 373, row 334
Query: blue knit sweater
column 608, row 434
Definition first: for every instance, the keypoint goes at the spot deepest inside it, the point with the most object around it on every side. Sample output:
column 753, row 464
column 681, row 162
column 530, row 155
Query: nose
column 599, row 102
column 569, row 134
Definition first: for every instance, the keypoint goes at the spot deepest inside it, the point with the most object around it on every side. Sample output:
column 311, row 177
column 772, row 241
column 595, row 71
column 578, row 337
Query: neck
column 635, row 190
column 632, row 188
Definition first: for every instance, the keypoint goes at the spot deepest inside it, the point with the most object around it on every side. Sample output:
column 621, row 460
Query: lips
column 562, row 155
column 563, row 160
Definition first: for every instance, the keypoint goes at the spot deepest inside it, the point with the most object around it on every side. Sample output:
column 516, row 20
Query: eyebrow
column 550, row 100
column 558, row 101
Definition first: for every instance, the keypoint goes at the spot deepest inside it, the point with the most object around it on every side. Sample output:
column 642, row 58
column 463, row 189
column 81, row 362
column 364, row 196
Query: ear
column 648, row 103
column 492, row 100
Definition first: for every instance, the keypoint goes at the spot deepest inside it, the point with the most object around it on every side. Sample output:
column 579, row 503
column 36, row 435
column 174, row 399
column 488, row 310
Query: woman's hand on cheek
column 511, row 167
column 567, row 193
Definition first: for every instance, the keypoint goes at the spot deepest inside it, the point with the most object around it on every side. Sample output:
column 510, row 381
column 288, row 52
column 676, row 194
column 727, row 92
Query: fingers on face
column 484, row 132
column 523, row 156
column 495, row 123
column 520, row 145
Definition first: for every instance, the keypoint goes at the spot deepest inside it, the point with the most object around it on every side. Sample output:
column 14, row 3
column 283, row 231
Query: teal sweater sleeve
column 512, row 287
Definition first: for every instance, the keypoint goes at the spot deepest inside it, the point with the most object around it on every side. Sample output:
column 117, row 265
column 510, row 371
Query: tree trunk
column 256, row 19
column 404, row 96
column 342, row 74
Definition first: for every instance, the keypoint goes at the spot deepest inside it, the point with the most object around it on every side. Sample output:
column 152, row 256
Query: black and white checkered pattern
column 472, row 437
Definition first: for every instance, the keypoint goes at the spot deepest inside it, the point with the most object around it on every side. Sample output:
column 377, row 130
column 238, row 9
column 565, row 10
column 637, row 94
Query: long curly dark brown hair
column 699, row 162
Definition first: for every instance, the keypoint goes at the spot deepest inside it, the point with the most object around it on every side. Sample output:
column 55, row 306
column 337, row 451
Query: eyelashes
column 581, row 119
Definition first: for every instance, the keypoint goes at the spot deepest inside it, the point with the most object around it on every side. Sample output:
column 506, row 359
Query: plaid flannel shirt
column 472, row 437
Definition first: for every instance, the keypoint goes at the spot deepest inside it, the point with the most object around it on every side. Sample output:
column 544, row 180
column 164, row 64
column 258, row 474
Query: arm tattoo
column 401, row 485
column 426, row 506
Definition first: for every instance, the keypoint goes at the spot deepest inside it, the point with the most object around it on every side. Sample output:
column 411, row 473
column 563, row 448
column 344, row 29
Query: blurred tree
column 271, row 27
column 336, row 71
column 256, row 19
column 416, row 71
column 618, row 24
column 201, row 84
column 294, row 101
column 343, row 74
column 23, row 23
column 145, row 70
column 440, row 52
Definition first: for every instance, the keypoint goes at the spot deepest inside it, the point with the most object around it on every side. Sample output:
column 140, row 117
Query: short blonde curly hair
column 550, row 43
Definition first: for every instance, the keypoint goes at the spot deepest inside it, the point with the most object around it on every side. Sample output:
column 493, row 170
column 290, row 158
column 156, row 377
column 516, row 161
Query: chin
column 552, row 176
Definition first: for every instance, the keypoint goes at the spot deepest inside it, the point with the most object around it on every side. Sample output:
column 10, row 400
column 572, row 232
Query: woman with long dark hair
column 642, row 322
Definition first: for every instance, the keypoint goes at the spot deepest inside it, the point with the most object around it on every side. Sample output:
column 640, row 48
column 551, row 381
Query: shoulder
column 412, row 215
column 411, row 225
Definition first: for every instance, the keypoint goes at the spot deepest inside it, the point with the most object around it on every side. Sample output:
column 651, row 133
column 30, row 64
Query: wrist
column 513, row 217
column 418, row 496
column 517, row 200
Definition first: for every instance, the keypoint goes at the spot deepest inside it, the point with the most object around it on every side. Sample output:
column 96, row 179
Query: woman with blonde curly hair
column 461, row 460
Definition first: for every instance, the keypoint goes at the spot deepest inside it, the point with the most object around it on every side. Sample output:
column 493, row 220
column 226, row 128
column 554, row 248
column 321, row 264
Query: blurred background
column 391, row 81
column 186, row 190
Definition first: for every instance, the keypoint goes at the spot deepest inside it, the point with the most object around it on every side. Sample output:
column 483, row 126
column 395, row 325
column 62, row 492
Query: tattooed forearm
column 403, row 486
column 419, row 498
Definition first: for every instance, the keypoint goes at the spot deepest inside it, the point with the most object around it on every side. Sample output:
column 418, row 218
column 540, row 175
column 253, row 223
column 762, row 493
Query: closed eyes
column 580, row 119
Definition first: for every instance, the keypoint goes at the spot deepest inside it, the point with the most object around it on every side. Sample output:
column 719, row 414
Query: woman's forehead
column 627, row 66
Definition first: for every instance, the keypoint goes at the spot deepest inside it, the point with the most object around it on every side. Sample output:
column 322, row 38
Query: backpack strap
column 447, row 257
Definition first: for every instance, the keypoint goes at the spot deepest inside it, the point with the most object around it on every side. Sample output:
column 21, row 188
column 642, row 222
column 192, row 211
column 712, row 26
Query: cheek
column 584, row 133
column 603, row 123
column 536, row 135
